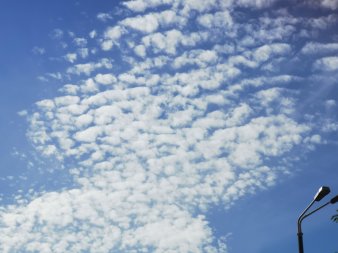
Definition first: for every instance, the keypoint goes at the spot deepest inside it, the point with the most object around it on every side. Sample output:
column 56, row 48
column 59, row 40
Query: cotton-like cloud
column 140, row 50
column 331, row 4
column 255, row 3
column 319, row 48
column 146, row 24
column 93, row 34
column 104, row 17
column 327, row 63
column 201, row 58
column 168, row 41
column 83, row 52
column 218, row 19
column 189, row 118
column 111, row 37
column 187, row 143
column 50, row 76
column 88, row 68
column 141, row 5
column 80, row 42
column 105, row 78
column 263, row 53
column 323, row 22
column 71, row 57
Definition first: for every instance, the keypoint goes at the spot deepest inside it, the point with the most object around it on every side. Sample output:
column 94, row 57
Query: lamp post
column 322, row 192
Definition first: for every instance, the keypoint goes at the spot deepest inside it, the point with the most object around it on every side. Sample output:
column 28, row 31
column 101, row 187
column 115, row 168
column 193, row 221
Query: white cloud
column 331, row 4
column 151, row 22
column 105, row 79
column 113, row 33
column 142, row 5
column 218, row 19
column 255, row 3
column 146, row 24
column 80, row 42
column 65, row 100
column 22, row 113
column 89, row 86
column 169, row 18
column 242, row 60
column 322, row 22
column 46, row 104
column 208, row 56
column 168, row 41
column 79, row 69
column 107, row 45
column 83, row 121
column 268, row 30
column 238, row 116
column 140, row 50
column 93, row 34
column 330, row 103
column 265, row 52
column 42, row 79
column 83, row 52
column 111, row 37
column 69, row 89
column 134, row 5
column 327, row 63
column 104, row 17
column 48, row 76
column 319, row 48
column 202, row 58
column 71, row 57
column 88, row 68
column 88, row 135
column 197, row 5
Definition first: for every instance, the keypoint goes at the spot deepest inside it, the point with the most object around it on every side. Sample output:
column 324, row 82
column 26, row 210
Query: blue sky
column 167, row 125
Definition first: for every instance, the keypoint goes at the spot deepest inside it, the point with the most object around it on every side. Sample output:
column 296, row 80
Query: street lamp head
column 334, row 200
column 322, row 192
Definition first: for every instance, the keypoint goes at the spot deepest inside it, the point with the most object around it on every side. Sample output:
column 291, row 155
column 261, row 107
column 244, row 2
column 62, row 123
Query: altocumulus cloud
column 201, row 115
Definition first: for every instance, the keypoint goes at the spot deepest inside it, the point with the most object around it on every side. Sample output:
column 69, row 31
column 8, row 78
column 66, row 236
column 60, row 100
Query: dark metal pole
column 323, row 191
column 300, row 242
column 300, row 233
column 301, row 218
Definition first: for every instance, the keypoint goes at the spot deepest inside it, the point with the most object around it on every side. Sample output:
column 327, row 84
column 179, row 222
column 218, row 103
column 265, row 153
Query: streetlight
column 322, row 192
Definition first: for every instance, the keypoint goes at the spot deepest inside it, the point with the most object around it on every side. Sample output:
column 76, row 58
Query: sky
column 167, row 125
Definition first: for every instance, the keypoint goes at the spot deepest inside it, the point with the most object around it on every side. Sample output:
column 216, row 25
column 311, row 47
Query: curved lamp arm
column 332, row 201
column 322, row 192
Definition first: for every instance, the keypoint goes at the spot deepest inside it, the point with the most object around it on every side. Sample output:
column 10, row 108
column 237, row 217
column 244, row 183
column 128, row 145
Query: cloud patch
column 327, row 63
